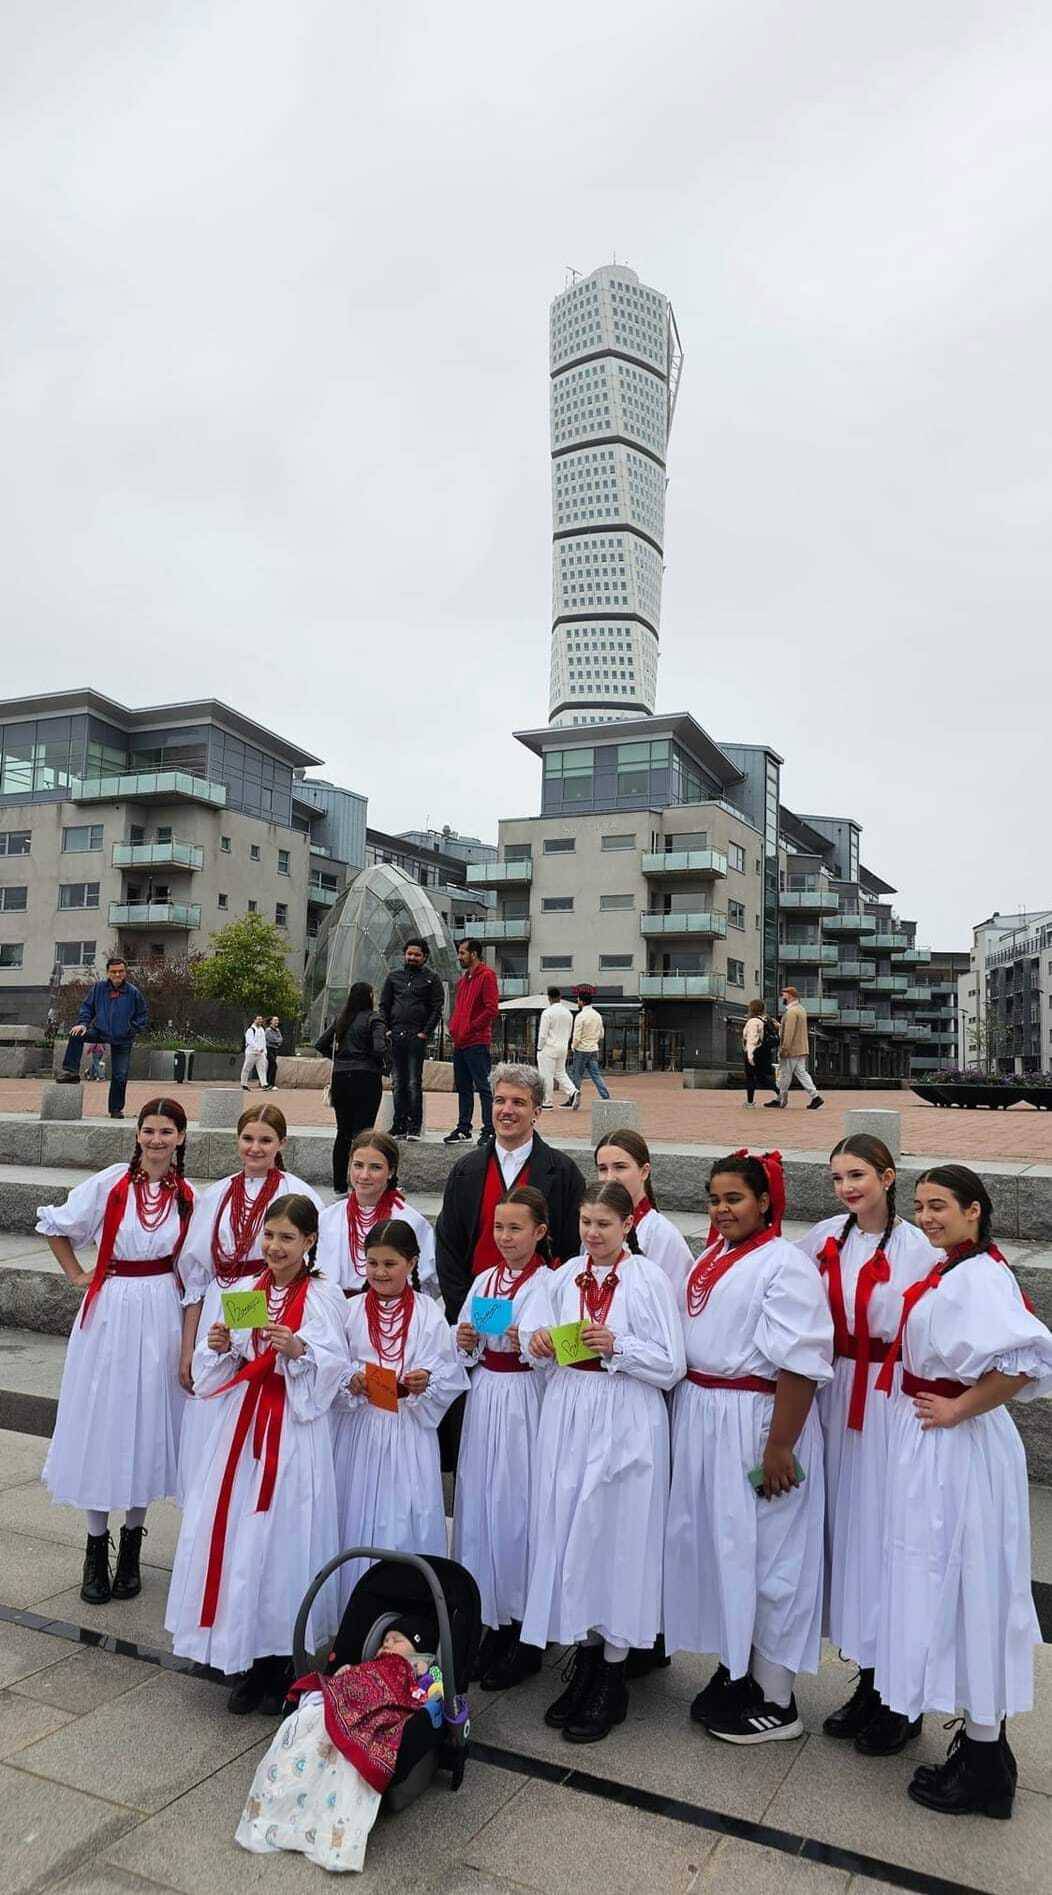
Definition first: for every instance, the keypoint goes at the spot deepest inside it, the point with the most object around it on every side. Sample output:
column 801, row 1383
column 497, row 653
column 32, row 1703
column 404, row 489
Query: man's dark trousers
column 471, row 1068
column 408, row 1052
column 120, row 1060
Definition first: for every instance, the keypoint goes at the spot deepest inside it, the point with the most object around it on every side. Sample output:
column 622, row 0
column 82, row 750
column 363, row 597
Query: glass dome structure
column 363, row 937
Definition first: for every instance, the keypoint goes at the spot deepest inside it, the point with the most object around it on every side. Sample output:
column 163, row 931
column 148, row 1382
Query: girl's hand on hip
column 936, row 1411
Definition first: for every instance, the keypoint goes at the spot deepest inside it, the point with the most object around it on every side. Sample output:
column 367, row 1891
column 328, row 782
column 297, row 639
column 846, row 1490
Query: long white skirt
column 269, row 1558
column 200, row 1419
column 496, row 1472
column 389, row 1486
column 120, row 1408
column 597, row 1518
column 741, row 1571
column 856, row 1467
column 957, row 1624
column 307, row 1796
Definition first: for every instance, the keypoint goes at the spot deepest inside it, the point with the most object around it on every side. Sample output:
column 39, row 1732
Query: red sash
column 875, row 1270
column 746, row 1384
column 486, row 1256
column 504, row 1362
column 711, row 1267
column 264, row 1404
column 956, row 1254
column 116, row 1205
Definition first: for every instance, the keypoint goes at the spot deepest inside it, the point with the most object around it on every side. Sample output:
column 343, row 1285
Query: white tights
column 614, row 1653
column 774, row 1681
column 100, row 1522
column 981, row 1733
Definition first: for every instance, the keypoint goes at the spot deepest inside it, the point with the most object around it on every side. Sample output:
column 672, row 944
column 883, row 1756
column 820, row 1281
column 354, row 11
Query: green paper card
column 756, row 1476
column 566, row 1341
column 244, row 1309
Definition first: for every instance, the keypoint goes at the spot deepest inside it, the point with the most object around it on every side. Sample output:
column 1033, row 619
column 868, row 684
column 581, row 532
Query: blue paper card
column 491, row 1315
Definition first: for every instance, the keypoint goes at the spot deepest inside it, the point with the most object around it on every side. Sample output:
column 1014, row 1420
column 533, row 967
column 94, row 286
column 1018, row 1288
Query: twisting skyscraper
column 615, row 366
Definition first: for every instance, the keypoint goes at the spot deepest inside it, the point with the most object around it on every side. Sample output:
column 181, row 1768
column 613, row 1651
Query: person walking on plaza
column 357, row 1045
column 255, row 1060
column 554, row 1032
column 115, row 1012
column 587, row 1039
column 275, row 1041
column 759, row 1038
column 475, row 1009
column 411, row 1005
column 793, row 1047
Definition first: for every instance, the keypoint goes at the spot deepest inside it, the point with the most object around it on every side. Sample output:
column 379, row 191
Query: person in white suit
column 554, row 1032
column 255, row 1060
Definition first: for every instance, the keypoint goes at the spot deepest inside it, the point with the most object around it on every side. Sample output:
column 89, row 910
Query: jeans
column 120, row 1060
column 471, row 1066
column 408, row 1052
column 586, row 1066
column 355, row 1101
column 788, row 1069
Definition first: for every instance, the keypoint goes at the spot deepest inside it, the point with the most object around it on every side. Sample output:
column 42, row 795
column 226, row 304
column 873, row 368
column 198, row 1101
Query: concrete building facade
column 1005, row 997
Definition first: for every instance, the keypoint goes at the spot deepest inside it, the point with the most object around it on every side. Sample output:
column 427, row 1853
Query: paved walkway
column 670, row 1112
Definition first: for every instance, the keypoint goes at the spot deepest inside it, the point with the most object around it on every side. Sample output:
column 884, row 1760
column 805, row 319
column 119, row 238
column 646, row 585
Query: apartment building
column 1005, row 997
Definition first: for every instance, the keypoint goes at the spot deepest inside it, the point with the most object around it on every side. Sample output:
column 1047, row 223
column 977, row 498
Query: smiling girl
column 261, row 1514
column 867, row 1259
column 373, row 1198
column 743, row 1563
column 120, row 1407
column 956, row 1626
column 623, row 1157
column 598, row 1505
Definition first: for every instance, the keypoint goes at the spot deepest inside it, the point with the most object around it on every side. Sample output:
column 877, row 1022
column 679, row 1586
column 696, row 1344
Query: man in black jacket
column 411, row 1005
column 464, row 1231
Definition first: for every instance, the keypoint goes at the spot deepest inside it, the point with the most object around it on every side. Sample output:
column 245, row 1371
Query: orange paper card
column 381, row 1387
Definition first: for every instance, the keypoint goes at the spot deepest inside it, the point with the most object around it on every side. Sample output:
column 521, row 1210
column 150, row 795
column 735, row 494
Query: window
column 223, row 901
column 559, row 845
column 557, row 904
column 736, row 914
column 608, row 963
column 518, row 852
column 224, row 844
column 254, row 852
column 608, row 903
column 253, row 907
column 281, row 914
column 14, row 841
column 556, row 963
column 74, row 953
column 618, row 842
column 688, row 839
column 283, row 861
column 736, row 857
column 82, row 838
column 164, row 833
column 136, row 833
column 735, row 973
column 78, row 895
column 13, row 900
column 11, row 954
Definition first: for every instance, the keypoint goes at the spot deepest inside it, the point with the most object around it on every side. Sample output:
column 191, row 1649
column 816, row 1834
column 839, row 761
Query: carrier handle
column 300, row 1654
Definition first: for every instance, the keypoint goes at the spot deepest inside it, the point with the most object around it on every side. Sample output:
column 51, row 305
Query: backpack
column 771, row 1037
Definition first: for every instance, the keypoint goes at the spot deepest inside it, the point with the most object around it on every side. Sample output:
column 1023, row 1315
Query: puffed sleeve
column 652, row 1348
column 80, row 1217
column 313, row 1380
column 333, row 1250
column 298, row 1187
column 434, row 1350
column 195, row 1258
column 665, row 1245
column 795, row 1328
column 986, row 1325
column 811, row 1243
column 426, row 1269
column 540, row 1312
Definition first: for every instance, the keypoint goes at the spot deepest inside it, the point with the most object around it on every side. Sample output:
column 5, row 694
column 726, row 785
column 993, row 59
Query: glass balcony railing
column 807, row 954
column 810, row 901
column 170, row 855
column 168, row 786
column 513, row 986
column 851, row 970
column 885, row 943
column 913, row 956
column 886, row 984
column 516, row 930
column 682, row 986
column 684, row 862
column 843, row 923
column 155, row 914
column 500, row 874
column 321, row 896
column 820, row 1006
column 710, row 921
column 858, row 1016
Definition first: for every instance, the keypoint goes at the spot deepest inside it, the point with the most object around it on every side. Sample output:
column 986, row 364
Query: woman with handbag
column 357, row 1045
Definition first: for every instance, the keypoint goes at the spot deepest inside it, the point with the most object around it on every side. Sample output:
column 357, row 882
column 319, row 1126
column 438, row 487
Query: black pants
column 272, row 1065
column 408, row 1052
column 355, row 1101
column 761, row 1074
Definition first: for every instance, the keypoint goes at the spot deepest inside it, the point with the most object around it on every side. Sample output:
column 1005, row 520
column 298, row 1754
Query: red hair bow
column 774, row 1172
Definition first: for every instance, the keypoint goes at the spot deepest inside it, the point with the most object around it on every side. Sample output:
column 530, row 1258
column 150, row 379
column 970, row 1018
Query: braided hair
column 874, row 1153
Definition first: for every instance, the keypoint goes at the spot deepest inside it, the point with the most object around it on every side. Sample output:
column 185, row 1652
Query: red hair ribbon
column 775, row 1175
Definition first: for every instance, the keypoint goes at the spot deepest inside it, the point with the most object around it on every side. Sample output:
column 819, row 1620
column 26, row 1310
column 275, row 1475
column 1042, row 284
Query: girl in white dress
column 957, row 1626
column 624, row 1158
column 261, row 1514
column 224, row 1241
column 867, row 1261
column 496, row 1470
column 116, row 1438
column 388, row 1476
column 743, row 1550
column 373, row 1198
column 599, row 1500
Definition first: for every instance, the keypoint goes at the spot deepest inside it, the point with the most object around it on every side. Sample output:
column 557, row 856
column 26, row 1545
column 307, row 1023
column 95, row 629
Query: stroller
column 400, row 1583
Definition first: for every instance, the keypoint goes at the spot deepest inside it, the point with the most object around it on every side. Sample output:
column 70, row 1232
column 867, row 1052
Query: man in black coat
column 411, row 1005
column 518, row 1092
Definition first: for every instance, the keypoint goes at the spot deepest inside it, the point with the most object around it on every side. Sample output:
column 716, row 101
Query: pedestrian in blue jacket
column 115, row 1011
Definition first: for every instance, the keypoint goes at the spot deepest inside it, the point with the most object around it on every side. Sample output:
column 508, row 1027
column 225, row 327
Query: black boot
column 603, row 1705
column 975, row 1780
column 862, row 1706
column 247, row 1694
column 512, row 1662
column 887, row 1733
column 643, row 1659
column 926, row 1771
column 277, row 1678
column 127, row 1579
column 491, row 1645
column 577, row 1676
column 95, row 1588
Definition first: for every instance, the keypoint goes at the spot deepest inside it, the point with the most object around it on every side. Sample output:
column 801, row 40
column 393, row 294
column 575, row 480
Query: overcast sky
column 273, row 385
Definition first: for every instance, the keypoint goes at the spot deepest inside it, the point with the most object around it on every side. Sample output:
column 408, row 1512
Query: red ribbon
column 264, row 1406
column 116, row 1205
column 711, row 1267
column 875, row 1270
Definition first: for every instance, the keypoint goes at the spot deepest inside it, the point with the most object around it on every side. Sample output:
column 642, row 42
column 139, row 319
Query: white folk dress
column 599, row 1501
column 334, row 1249
column 307, row 1796
column 388, row 1471
column 120, row 1407
column 957, row 1624
column 198, row 1272
column 742, row 1571
column 659, row 1239
column 269, row 1558
column 856, row 1461
column 496, row 1469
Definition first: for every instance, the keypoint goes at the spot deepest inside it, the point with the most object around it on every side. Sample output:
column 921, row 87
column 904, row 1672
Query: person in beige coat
column 793, row 1047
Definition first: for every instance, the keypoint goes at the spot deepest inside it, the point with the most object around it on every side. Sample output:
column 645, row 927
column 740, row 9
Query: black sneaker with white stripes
column 754, row 1721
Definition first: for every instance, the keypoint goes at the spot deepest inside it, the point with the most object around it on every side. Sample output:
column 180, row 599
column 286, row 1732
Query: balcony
column 807, row 954
column 913, row 956
column 513, row 987
column 906, row 1030
column 160, row 855
column 852, row 970
column 682, row 986
column 707, row 921
column 885, row 943
column 321, row 896
column 886, row 984
column 810, row 901
column 820, row 1006
column 146, row 786
column 518, row 871
column 155, row 914
column 858, row 1016
column 922, row 995
column 517, row 930
column 673, row 862
column 844, row 923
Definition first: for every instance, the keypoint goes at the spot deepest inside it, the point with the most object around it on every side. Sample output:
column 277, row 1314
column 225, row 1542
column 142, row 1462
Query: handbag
column 326, row 1096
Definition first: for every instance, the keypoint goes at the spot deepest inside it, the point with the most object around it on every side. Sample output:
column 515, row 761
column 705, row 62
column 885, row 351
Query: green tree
column 247, row 969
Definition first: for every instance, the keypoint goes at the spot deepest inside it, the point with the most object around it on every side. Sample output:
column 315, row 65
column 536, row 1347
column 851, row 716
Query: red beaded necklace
column 387, row 1320
column 153, row 1201
column 505, row 1282
column 246, row 1222
column 360, row 1221
column 597, row 1297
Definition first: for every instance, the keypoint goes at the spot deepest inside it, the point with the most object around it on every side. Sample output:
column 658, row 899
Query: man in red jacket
column 475, row 1007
